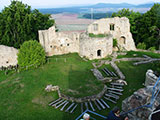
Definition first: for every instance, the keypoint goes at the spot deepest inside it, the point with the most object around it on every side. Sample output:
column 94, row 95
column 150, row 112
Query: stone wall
column 118, row 27
column 58, row 43
column 142, row 97
column 95, row 48
column 8, row 56
column 151, row 78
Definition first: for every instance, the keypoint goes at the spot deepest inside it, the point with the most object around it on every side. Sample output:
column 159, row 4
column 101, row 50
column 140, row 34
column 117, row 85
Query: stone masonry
column 58, row 43
column 119, row 28
column 8, row 56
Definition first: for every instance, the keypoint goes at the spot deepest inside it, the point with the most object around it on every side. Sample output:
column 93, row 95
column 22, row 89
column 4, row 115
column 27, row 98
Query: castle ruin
column 58, row 43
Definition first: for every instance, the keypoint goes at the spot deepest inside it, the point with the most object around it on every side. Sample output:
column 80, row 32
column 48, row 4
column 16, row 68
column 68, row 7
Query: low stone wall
column 151, row 78
column 133, row 59
column 97, row 74
column 8, row 56
column 83, row 99
column 121, row 75
column 145, row 62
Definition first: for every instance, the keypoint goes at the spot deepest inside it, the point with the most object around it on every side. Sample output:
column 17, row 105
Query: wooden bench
column 97, row 105
column 90, row 103
column 54, row 101
column 105, row 103
column 64, row 106
column 118, row 93
column 103, row 107
column 115, row 89
column 110, row 100
column 112, row 96
column 69, row 107
column 74, row 108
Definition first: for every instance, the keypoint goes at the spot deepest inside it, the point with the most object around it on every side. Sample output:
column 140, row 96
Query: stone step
column 69, row 107
column 54, row 101
column 105, row 103
column 118, row 93
column 103, row 107
column 74, row 108
column 64, row 106
column 110, row 100
column 97, row 105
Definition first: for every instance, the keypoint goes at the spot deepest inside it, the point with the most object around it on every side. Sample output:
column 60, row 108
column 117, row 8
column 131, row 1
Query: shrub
column 152, row 49
column 97, row 36
column 115, row 42
column 141, row 46
column 31, row 54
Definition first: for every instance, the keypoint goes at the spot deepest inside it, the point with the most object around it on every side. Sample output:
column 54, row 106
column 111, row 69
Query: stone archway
column 99, row 52
column 122, row 40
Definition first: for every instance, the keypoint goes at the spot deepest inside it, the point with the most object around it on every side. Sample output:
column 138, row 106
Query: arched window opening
column 122, row 40
column 98, row 52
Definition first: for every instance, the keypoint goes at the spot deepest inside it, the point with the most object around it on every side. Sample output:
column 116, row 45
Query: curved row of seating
column 113, row 93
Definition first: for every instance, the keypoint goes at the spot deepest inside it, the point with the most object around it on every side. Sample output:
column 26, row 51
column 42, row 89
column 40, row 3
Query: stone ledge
column 83, row 99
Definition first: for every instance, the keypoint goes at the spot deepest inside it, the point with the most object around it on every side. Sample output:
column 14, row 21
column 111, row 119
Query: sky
column 63, row 3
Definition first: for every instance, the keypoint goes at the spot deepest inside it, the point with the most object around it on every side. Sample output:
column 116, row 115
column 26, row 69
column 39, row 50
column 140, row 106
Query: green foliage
column 141, row 46
column 148, row 28
column 31, row 54
column 19, row 23
column 115, row 43
column 152, row 49
column 97, row 36
column 26, row 89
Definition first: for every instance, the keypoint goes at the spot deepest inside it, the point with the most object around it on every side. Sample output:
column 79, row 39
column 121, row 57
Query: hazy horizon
column 66, row 3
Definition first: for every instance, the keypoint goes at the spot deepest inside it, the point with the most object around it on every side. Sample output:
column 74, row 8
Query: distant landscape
column 99, row 8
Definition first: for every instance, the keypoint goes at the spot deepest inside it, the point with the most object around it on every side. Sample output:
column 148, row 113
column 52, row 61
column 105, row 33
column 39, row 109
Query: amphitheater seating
column 112, row 94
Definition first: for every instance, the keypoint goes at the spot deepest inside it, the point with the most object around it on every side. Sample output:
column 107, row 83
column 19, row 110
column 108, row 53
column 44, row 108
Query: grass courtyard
column 22, row 95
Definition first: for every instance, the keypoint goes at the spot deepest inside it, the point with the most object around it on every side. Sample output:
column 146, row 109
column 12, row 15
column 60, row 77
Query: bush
column 141, row 46
column 152, row 49
column 115, row 42
column 31, row 55
column 97, row 36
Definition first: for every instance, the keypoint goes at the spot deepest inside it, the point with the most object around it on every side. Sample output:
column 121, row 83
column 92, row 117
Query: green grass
column 97, row 36
column 22, row 95
column 139, row 54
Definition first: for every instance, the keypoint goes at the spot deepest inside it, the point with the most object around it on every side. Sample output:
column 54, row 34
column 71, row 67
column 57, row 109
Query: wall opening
column 95, row 27
column 98, row 52
column 112, row 27
column 68, row 44
column 122, row 40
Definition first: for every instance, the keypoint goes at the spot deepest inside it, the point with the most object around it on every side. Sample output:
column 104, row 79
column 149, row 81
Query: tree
column 31, row 54
column 19, row 23
column 148, row 27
